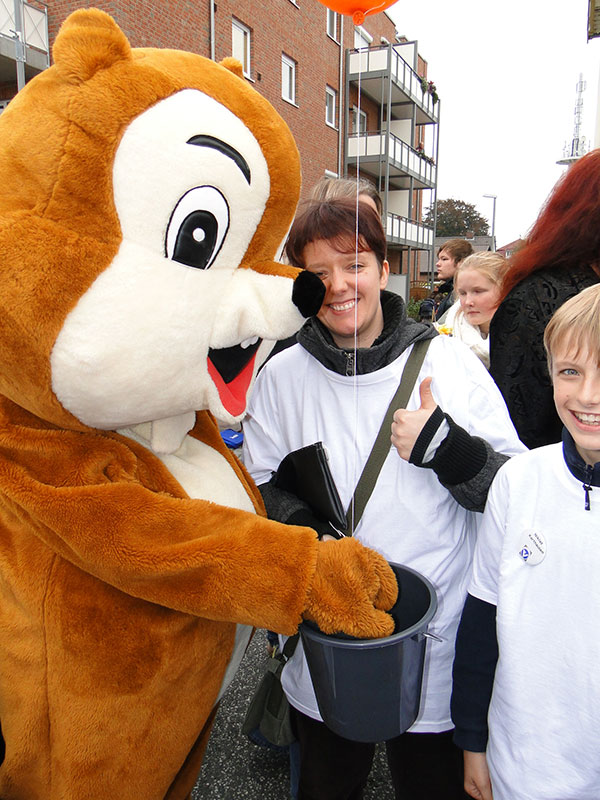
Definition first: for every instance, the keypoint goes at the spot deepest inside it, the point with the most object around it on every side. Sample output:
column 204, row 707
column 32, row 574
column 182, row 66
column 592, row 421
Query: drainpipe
column 437, row 172
column 19, row 45
column 212, row 29
column 342, row 104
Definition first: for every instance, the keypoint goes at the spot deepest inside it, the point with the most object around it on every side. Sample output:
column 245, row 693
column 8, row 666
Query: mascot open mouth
column 230, row 369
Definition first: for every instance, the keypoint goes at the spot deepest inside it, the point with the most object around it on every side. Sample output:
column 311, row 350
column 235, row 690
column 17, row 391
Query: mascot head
column 144, row 196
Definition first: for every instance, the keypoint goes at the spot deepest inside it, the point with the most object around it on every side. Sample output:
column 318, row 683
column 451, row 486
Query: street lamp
column 493, row 197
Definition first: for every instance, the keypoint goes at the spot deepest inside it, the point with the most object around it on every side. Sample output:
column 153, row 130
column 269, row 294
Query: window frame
column 365, row 37
column 332, row 22
column 247, row 34
column 331, row 92
column 358, row 114
column 288, row 61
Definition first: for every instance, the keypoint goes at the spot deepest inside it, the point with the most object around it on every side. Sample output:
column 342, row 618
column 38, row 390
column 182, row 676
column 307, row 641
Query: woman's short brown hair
column 335, row 221
column 457, row 248
column 576, row 325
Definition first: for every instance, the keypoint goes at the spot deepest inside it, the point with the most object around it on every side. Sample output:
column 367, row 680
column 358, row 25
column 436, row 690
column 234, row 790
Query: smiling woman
column 354, row 274
column 334, row 386
column 351, row 309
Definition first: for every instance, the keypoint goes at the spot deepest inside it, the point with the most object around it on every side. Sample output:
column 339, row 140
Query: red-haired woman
column 560, row 258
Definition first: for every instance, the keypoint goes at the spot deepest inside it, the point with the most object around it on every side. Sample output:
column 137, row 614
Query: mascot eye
column 197, row 227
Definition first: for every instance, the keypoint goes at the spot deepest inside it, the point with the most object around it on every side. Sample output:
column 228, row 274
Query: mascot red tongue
column 232, row 371
column 233, row 394
column 144, row 195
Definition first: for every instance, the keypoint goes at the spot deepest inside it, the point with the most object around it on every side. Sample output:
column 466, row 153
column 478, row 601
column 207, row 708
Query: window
column 288, row 79
column 362, row 38
column 36, row 29
column 359, row 120
column 330, row 106
column 332, row 19
column 240, row 44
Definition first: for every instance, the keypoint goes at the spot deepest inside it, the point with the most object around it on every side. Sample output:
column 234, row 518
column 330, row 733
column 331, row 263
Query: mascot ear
column 88, row 41
column 233, row 65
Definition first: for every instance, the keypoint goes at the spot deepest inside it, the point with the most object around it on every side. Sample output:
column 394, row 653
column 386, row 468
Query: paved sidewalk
column 236, row 769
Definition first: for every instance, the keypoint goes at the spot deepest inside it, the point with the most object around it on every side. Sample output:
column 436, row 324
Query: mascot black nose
column 308, row 293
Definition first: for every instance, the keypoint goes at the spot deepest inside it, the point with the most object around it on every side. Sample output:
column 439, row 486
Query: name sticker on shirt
column 533, row 550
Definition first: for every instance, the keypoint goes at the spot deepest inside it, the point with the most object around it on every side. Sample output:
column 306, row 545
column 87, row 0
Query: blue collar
column 586, row 473
column 577, row 466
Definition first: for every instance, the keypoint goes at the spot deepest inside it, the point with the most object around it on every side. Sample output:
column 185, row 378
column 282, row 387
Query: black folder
column 306, row 474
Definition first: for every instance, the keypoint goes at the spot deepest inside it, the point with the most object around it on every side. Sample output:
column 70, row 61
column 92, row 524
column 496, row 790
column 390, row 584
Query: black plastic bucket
column 369, row 690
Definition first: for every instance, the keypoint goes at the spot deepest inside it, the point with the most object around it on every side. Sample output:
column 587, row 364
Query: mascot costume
column 144, row 196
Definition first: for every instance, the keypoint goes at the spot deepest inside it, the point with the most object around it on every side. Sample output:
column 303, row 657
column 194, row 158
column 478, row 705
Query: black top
column 447, row 290
column 517, row 356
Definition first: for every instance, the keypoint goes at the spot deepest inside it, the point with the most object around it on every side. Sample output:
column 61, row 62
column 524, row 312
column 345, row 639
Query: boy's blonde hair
column 492, row 265
column 576, row 325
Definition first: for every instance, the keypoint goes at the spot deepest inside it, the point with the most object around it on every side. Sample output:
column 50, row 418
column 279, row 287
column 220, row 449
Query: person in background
column 334, row 386
column 450, row 254
column 477, row 284
column 347, row 188
column 526, row 665
column 426, row 309
column 560, row 258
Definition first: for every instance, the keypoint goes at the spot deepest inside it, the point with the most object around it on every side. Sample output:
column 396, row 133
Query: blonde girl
column 477, row 282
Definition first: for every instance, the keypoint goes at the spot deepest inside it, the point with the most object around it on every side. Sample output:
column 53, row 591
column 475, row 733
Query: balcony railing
column 403, row 231
column 35, row 23
column 384, row 59
column 400, row 155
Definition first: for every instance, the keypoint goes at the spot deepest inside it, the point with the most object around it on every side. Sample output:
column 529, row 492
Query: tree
column 457, row 218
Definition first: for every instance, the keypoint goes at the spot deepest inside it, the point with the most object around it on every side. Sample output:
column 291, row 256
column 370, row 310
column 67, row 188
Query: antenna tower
column 572, row 152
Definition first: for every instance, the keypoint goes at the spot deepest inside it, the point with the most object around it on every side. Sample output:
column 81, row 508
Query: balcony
column 372, row 65
column 31, row 46
column 404, row 232
column 369, row 150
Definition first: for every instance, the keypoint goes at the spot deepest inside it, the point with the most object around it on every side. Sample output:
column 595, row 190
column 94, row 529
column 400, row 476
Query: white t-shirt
column 544, row 722
column 410, row 518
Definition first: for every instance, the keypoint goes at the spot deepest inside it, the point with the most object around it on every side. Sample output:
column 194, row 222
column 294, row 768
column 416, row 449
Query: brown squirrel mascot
column 144, row 196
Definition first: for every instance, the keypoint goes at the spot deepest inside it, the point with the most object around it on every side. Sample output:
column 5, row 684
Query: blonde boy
column 536, row 573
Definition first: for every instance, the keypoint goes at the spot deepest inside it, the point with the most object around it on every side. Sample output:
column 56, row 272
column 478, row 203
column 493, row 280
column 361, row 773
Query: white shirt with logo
column 537, row 558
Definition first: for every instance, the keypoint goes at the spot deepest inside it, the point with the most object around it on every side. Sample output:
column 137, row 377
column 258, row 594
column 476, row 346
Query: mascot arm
column 111, row 508
column 189, row 555
column 209, row 561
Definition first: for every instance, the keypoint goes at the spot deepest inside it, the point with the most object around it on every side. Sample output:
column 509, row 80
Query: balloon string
column 356, row 274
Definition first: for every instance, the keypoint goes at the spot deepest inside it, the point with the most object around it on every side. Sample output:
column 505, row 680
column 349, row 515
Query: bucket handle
column 426, row 635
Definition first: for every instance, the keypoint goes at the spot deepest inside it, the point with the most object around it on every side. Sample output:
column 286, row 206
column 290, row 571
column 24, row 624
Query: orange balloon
column 358, row 9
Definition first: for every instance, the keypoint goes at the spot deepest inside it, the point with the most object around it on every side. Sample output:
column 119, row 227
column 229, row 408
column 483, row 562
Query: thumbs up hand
column 407, row 425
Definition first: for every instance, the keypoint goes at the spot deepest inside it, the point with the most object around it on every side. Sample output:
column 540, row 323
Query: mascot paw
column 352, row 589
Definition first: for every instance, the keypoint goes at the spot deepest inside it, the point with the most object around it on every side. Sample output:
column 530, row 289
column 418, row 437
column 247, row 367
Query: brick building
column 369, row 108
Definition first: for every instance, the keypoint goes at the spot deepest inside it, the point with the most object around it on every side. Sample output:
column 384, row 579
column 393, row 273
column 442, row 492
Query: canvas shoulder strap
column 370, row 473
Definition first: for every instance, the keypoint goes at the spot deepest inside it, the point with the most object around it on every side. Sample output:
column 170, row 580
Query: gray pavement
column 235, row 769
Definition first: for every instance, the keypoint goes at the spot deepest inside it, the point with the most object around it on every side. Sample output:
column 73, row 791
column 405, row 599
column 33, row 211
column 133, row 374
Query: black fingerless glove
column 457, row 459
